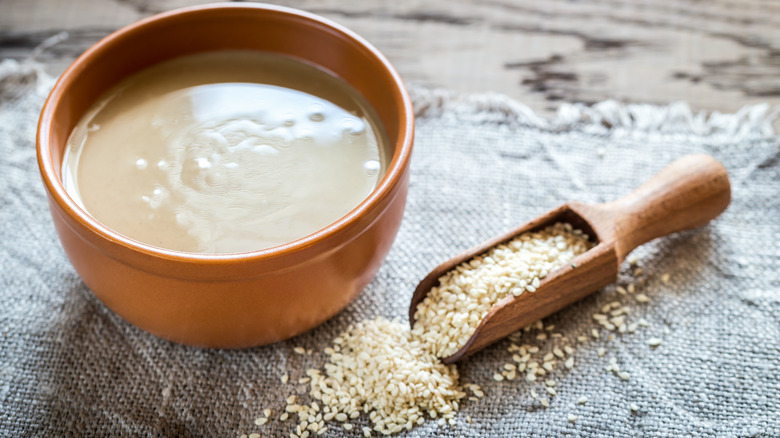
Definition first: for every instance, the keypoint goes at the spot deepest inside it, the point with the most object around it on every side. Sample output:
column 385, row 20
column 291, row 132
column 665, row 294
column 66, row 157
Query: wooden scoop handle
column 686, row 194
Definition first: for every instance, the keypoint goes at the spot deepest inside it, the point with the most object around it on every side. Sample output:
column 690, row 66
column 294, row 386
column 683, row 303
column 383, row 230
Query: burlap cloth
column 482, row 164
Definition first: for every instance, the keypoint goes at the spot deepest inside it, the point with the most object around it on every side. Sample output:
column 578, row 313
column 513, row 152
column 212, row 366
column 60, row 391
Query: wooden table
column 716, row 54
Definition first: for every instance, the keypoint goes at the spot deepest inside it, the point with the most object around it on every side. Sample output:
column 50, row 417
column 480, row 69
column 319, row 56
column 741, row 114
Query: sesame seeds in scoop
column 451, row 311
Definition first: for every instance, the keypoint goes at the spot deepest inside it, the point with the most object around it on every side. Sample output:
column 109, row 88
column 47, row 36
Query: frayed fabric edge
column 17, row 78
column 609, row 118
column 675, row 120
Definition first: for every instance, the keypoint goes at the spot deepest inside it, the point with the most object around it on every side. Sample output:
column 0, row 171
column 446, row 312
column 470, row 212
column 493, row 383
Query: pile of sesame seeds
column 379, row 368
column 451, row 311
column 375, row 367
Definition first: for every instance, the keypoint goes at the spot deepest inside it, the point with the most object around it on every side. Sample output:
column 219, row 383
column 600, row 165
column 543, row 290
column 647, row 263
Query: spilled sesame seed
column 347, row 386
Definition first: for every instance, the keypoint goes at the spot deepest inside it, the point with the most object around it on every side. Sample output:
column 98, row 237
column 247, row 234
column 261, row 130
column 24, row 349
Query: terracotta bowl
column 232, row 300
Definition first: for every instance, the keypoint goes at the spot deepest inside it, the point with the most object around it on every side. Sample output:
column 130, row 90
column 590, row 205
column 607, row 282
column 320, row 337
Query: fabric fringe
column 606, row 118
column 18, row 77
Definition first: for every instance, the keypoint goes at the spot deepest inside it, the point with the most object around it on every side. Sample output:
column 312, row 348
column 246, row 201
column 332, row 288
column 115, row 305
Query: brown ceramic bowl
column 232, row 300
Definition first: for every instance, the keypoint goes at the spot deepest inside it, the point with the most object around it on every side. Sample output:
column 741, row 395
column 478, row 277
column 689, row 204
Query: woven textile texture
column 69, row 367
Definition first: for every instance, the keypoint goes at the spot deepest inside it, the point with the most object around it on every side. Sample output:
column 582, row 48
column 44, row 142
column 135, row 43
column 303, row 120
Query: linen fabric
column 482, row 164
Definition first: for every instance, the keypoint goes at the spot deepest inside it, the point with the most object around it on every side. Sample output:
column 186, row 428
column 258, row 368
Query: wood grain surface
column 716, row 54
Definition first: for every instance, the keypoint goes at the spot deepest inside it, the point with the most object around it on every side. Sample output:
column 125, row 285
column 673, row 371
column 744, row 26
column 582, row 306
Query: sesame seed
column 572, row 418
column 601, row 351
column 544, row 402
column 631, row 288
column 299, row 350
column 642, row 298
column 654, row 342
column 569, row 364
column 634, row 407
column 267, row 412
column 347, row 426
column 665, row 278
column 582, row 400
column 254, row 435
column 624, row 375
column 285, row 378
column 261, row 421
column 498, row 377
column 551, row 391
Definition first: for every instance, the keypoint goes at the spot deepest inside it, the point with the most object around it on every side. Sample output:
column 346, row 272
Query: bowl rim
column 394, row 174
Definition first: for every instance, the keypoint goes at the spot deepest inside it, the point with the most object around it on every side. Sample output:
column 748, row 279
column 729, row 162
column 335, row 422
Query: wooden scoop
column 687, row 194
